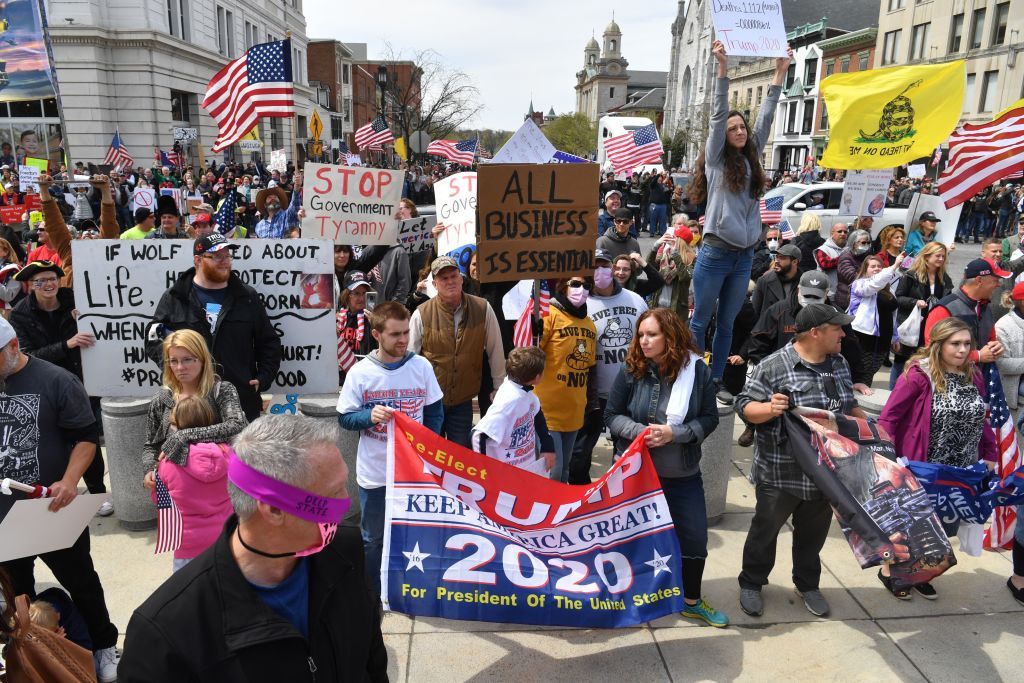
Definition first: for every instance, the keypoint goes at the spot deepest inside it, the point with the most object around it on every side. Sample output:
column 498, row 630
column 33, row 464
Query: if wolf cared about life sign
column 469, row 537
column 118, row 284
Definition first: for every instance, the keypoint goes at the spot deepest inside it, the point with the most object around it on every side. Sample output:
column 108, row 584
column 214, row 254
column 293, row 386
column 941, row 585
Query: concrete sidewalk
column 974, row 631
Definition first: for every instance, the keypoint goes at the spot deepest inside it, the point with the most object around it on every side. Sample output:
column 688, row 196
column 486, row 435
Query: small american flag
column 168, row 528
column 343, row 148
column 938, row 156
column 257, row 84
column 771, row 210
column 346, row 349
column 461, row 152
column 786, row 231
column 375, row 133
column 634, row 148
column 225, row 218
column 1000, row 533
column 117, row 155
column 522, row 333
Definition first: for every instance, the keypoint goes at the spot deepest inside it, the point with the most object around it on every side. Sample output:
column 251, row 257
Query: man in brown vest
column 452, row 331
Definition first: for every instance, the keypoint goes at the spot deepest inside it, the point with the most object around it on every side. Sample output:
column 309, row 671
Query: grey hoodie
column 617, row 244
column 733, row 217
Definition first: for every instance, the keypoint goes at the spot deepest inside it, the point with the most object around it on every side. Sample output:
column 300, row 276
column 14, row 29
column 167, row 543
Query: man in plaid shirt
column 807, row 372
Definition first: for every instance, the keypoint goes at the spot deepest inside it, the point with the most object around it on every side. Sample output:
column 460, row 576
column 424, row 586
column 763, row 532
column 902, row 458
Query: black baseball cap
column 211, row 243
column 980, row 267
column 602, row 255
column 355, row 278
column 929, row 216
column 816, row 315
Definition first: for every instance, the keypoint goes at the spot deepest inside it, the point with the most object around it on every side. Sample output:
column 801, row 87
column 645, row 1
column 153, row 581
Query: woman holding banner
column 665, row 392
column 729, row 178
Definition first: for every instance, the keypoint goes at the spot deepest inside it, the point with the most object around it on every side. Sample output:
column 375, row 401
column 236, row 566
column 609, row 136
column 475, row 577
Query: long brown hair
column 929, row 358
column 735, row 169
column 678, row 345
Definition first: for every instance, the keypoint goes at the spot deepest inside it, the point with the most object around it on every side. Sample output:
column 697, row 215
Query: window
column 177, row 18
column 276, row 133
column 337, row 132
column 999, row 24
column 790, row 76
column 810, row 72
column 989, row 91
column 611, row 45
column 891, row 47
column 791, row 118
column 919, row 41
column 759, row 93
column 862, row 64
column 750, row 95
column 344, row 74
column 300, row 128
column 298, row 66
column 611, row 92
column 896, row 4
column 181, row 106
column 977, row 28
column 968, row 93
column 824, row 116
column 830, row 67
column 808, row 117
column 844, row 65
column 956, row 32
column 225, row 32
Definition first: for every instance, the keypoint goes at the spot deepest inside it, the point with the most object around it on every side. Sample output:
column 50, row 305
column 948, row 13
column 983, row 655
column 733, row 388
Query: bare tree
column 437, row 98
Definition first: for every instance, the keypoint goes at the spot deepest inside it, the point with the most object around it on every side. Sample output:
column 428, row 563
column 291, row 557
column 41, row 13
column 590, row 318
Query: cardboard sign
column 278, row 161
column 527, row 146
column 349, row 205
column 455, row 198
column 754, row 29
column 32, row 202
column 948, row 218
column 144, row 198
column 28, row 177
column 537, row 222
column 916, row 170
column 415, row 234
column 50, row 530
column 120, row 282
column 864, row 192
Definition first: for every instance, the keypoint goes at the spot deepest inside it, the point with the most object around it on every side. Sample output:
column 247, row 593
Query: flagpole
column 45, row 26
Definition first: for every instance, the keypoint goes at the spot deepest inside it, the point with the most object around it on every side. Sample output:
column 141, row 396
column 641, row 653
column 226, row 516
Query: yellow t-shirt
column 569, row 345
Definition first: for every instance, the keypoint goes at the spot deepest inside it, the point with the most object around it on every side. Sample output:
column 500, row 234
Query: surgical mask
column 861, row 249
column 325, row 512
column 807, row 301
column 773, row 245
column 577, row 296
column 603, row 277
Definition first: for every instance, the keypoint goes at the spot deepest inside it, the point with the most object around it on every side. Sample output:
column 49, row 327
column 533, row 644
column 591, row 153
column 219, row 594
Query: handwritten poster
column 416, row 234
column 350, row 205
column 119, row 283
column 864, row 192
column 456, row 210
column 750, row 28
column 28, row 177
column 527, row 146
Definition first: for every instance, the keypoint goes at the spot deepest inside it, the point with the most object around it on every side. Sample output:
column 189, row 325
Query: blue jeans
column 371, row 504
column 685, row 498
column 564, row 441
column 659, row 219
column 720, row 283
column 458, row 422
column 1004, row 221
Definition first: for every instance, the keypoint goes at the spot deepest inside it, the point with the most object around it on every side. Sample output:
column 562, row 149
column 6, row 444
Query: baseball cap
column 6, row 332
column 201, row 218
column 602, row 255
column 790, row 250
column 814, row 285
column 1018, row 292
column 609, row 193
column 211, row 243
column 355, row 278
column 623, row 214
column 1020, row 218
column 980, row 267
column 816, row 315
column 929, row 216
column 442, row 262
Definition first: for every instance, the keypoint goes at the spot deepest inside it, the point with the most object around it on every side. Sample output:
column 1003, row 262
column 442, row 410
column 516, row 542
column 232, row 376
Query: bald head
column 840, row 232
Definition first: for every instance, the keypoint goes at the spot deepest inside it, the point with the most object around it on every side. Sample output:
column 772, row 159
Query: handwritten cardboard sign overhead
column 753, row 29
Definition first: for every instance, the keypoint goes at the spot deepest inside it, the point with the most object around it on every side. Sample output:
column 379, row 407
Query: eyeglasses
column 623, row 220
column 182, row 362
column 44, row 282
column 219, row 256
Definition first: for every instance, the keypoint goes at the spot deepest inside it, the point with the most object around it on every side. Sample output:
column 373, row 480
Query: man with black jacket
column 780, row 281
column 214, row 302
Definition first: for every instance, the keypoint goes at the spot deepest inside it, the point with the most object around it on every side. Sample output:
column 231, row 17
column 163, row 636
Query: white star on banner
column 415, row 558
column 659, row 563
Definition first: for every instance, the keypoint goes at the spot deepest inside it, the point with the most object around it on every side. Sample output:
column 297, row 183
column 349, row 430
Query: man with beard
column 50, row 438
column 269, row 203
column 213, row 301
column 827, row 255
column 779, row 282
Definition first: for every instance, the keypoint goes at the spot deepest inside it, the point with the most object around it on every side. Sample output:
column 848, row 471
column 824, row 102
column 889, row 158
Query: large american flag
column 1000, row 532
column 257, row 84
column 522, row 333
column 634, row 148
column 461, row 152
column 375, row 133
column 117, row 155
column 771, row 209
column 225, row 218
column 170, row 159
column 981, row 154
column 168, row 527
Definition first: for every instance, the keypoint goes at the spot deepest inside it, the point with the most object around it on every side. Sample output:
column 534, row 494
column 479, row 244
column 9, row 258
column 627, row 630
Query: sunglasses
column 576, row 284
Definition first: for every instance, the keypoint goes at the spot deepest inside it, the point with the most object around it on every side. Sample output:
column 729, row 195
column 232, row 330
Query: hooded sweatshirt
column 615, row 243
column 199, row 490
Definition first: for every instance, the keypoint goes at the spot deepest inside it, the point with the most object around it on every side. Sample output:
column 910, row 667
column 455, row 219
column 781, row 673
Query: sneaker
column 706, row 613
column 723, row 395
column 106, row 509
column 926, row 591
column 746, row 438
column 815, row 602
column 1017, row 593
column 751, row 602
column 106, row 664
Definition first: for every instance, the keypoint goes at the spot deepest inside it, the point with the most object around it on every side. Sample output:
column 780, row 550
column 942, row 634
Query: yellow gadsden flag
column 400, row 149
column 886, row 117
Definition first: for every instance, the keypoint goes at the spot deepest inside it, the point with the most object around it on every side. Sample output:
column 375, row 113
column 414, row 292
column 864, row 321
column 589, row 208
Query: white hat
column 7, row 332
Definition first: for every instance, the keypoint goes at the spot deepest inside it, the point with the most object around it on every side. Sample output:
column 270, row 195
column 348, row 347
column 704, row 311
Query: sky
column 510, row 50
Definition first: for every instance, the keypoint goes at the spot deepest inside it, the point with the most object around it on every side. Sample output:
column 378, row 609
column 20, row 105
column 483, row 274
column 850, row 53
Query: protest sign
column 353, row 160
column 118, row 285
column 278, row 161
column 351, row 205
column 32, row 202
column 185, row 134
column 456, row 210
column 526, row 146
column 561, row 157
column 11, row 214
column 144, row 198
column 948, row 218
column 50, row 530
column 864, row 192
column 470, row 537
column 41, row 164
column 916, row 171
column 415, row 234
column 750, row 29
column 28, row 177
column 536, row 221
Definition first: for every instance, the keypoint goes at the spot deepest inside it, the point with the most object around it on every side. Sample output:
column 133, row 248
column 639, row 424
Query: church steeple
column 612, row 40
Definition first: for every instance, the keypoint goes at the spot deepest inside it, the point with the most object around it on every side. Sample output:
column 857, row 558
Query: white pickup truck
column 800, row 198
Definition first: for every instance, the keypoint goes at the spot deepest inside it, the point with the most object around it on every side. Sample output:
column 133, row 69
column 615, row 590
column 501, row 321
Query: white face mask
column 773, row 245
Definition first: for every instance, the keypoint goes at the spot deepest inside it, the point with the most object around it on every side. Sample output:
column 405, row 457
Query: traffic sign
column 316, row 126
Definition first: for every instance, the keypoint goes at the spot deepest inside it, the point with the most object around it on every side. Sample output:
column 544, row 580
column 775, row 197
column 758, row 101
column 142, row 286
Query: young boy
column 514, row 423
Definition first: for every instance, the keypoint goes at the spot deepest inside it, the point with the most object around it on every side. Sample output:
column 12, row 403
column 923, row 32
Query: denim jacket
column 633, row 406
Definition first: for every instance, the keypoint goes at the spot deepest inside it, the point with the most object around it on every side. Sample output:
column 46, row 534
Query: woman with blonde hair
column 808, row 239
column 674, row 256
column 922, row 287
column 188, row 372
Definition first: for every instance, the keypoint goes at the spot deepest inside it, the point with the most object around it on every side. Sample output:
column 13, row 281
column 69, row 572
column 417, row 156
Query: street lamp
column 382, row 83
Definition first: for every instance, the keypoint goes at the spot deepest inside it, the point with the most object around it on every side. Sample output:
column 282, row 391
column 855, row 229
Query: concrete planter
column 716, row 464
column 124, row 429
column 874, row 403
column 325, row 407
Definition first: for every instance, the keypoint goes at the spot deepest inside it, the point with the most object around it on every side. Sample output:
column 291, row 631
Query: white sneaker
column 106, row 509
column 106, row 664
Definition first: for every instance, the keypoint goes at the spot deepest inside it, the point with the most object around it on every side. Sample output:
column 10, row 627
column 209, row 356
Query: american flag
column 522, row 333
column 461, row 152
column 484, row 153
column 346, row 350
column 168, row 528
column 634, row 148
column 257, row 84
column 786, row 231
column 375, row 133
column 343, row 147
column 1000, row 532
column 938, row 156
column 225, row 218
column 771, row 209
column 117, row 155
column 171, row 159
column 981, row 154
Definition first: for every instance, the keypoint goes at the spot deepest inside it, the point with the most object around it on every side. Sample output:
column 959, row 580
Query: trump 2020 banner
column 468, row 537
